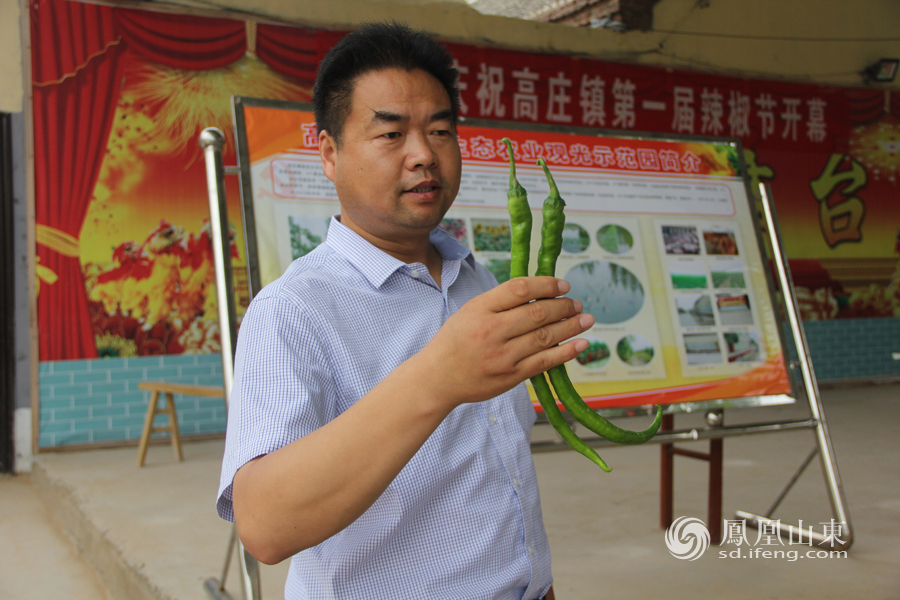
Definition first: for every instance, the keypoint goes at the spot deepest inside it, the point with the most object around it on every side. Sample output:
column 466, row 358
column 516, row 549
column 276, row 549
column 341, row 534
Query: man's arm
column 309, row 490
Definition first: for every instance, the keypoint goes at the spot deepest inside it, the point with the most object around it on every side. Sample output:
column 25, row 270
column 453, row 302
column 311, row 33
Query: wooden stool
column 157, row 387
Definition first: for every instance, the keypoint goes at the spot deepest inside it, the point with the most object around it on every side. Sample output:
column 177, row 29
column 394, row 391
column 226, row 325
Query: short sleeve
column 283, row 387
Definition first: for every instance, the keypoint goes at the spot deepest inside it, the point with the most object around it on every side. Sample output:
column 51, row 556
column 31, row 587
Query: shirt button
column 492, row 419
column 516, row 481
column 530, row 550
column 414, row 274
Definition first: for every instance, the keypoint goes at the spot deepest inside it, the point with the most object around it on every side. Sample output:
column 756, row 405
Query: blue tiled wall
column 853, row 348
column 88, row 401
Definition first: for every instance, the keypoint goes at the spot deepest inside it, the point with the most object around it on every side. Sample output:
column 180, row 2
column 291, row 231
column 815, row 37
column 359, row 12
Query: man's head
column 397, row 166
column 375, row 47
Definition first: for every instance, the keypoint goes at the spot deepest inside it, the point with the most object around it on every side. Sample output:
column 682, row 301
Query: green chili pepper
column 520, row 224
column 552, row 227
column 520, row 220
column 585, row 415
column 551, row 245
column 554, row 416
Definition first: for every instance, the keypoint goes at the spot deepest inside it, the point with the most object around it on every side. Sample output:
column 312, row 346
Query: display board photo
column 660, row 245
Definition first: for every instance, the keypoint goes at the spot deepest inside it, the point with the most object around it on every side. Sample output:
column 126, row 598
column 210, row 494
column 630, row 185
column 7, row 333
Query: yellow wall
column 11, row 83
column 827, row 62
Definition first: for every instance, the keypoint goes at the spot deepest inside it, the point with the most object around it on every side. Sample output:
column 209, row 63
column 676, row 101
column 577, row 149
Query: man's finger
column 521, row 290
column 528, row 317
column 551, row 335
column 551, row 357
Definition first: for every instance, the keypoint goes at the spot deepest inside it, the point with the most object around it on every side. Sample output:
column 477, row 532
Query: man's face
column 398, row 168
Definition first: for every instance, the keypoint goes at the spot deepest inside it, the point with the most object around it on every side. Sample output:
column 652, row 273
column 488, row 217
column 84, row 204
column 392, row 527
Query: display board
column 661, row 245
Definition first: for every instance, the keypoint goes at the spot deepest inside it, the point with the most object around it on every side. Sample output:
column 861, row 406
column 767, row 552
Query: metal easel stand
column 716, row 431
column 212, row 141
column 823, row 439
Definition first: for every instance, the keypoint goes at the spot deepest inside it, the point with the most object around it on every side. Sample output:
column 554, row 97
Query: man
column 379, row 425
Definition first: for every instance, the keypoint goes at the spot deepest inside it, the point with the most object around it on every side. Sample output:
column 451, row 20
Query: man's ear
column 328, row 153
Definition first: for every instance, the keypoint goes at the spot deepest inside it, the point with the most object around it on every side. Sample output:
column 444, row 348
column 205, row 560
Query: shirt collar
column 375, row 264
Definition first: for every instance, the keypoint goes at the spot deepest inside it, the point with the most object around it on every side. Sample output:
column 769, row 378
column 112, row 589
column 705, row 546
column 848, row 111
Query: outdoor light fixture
column 883, row 71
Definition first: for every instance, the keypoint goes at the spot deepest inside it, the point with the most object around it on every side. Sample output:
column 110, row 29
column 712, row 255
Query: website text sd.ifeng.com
column 790, row 555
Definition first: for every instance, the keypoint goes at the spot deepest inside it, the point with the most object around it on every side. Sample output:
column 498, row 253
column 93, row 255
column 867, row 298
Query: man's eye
column 391, row 135
column 442, row 132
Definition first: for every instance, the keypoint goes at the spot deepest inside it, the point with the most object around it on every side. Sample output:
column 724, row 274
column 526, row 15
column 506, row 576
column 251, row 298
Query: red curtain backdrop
column 868, row 105
column 76, row 77
column 290, row 51
column 76, row 70
column 182, row 41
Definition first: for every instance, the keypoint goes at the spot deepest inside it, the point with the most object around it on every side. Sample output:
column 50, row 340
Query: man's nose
column 420, row 152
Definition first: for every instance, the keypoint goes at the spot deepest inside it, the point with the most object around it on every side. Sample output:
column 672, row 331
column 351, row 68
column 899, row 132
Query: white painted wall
column 22, row 440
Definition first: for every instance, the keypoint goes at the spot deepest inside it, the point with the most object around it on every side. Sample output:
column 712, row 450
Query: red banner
column 558, row 90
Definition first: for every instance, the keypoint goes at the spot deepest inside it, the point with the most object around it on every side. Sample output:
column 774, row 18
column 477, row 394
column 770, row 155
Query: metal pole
column 791, row 483
column 666, row 475
column 715, row 418
column 826, row 451
column 212, row 141
column 689, row 435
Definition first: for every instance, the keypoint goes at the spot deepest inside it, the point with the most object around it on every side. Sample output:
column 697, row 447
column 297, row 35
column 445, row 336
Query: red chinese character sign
column 811, row 144
column 659, row 245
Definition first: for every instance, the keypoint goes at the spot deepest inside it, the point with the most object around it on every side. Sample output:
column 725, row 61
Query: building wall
column 12, row 100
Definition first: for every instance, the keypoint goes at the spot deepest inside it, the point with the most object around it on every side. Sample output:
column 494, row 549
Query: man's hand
column 503, row 337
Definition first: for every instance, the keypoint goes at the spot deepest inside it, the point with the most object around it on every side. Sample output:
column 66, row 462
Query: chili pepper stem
column 513, row 183
column 554, row 191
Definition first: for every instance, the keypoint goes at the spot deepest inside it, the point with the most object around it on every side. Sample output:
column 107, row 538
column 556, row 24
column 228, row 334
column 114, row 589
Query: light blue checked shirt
column 462, row 520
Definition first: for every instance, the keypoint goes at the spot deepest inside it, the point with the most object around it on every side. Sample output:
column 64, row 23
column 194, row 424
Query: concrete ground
column 153, row 532
column 37, row 560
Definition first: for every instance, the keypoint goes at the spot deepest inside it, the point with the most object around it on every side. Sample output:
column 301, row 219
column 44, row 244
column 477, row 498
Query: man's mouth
column 424, row 188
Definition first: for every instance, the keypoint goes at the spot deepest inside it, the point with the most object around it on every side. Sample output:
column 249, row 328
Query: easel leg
column 791, row 483
column 714, row 509
column 667, row 454
column 250, row 582
column 841, row 516
column 666, row 476
column 228, row 554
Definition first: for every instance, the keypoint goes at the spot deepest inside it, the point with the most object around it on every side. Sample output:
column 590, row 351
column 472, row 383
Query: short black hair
column 375, row 47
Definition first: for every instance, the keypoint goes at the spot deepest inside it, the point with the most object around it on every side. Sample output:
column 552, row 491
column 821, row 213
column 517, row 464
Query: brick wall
column 854, row 348
column 89, row 401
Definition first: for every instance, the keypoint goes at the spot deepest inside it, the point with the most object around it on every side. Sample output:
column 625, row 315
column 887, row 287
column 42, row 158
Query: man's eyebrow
column 386, row 116
column 442, row 115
